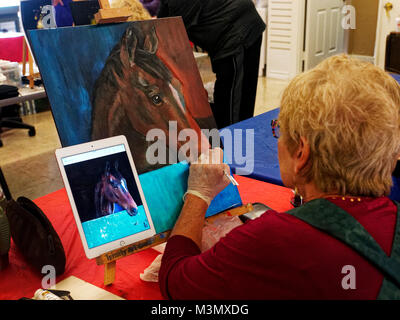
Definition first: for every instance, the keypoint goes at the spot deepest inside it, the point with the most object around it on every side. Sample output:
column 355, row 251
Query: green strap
column 326, row 216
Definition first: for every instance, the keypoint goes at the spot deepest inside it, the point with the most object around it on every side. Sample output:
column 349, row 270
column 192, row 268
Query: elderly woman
column 339, row 138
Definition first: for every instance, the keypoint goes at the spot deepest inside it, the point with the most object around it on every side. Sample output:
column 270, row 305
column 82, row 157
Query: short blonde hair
column 139, row 12
column 349, row 112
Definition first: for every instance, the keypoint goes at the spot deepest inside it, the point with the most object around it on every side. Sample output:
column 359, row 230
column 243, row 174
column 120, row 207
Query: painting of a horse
column 111, row 189
column 137, row 92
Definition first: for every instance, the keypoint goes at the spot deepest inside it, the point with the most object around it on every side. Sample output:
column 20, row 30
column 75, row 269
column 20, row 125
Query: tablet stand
column 109, row 259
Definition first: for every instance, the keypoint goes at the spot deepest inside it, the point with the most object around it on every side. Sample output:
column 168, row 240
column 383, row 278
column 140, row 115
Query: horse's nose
column 132, row 211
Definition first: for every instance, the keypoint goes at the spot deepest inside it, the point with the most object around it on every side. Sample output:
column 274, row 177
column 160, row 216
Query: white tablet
column 105, row 194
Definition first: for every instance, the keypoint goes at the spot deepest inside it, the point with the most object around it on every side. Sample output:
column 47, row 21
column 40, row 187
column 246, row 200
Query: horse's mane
column 115, row 172
column 134, row 37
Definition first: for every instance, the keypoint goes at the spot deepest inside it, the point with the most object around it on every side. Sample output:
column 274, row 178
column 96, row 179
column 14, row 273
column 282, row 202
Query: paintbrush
column 232, row 179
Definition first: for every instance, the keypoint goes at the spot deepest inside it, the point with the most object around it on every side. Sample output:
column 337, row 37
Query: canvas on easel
column 126, row 79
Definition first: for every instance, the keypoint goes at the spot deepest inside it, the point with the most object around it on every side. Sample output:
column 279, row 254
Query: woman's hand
column 206, row 175
column 206, row 180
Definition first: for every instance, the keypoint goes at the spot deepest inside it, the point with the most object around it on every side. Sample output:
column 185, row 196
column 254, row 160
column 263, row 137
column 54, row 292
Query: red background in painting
column 175, row 51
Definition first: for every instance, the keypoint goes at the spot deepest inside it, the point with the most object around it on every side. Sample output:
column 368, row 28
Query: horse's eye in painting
column 114, row 183
column 153, row 93
column 156, row 99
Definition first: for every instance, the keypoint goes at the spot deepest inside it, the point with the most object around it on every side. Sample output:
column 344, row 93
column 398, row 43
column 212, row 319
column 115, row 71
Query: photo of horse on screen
column 112, row 190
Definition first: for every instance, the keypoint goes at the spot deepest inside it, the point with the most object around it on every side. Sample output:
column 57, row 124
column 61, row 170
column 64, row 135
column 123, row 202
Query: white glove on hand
column 206, row 175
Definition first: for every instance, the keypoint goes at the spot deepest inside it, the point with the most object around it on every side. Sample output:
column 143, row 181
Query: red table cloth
column 19, row 280
column 11, row 45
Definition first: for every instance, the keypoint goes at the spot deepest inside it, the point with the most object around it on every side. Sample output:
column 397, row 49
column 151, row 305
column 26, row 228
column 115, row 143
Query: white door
column 285, row 38
column 387, row 14
column 324, row 31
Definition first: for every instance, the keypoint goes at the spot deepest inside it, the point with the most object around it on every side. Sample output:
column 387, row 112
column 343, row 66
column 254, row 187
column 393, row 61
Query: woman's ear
column 301, row 155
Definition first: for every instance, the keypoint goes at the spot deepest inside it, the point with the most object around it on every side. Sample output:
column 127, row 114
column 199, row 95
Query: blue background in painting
column 164, row 188
column 70, row 72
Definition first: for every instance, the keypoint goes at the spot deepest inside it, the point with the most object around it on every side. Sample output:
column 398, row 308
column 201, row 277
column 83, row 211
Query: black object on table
column 4, row 186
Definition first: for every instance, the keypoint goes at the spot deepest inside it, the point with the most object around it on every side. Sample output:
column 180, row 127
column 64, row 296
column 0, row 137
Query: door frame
column 379, row 52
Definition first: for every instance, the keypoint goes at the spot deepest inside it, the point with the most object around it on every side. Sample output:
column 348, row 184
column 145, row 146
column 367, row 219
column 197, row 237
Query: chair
column 15, row 123
column 11, row 119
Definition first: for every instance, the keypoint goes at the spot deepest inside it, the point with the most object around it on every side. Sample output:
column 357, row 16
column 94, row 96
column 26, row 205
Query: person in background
column 63, row 13
column 152, row 6
column 138, row 11
column 338, row 143
column 231, row 32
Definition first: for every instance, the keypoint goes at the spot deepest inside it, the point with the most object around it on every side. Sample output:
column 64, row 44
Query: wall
column 362, row 39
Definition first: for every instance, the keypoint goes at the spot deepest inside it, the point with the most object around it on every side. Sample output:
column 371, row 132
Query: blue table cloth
column 395, row 192
column 254, row 151
column 396, row 76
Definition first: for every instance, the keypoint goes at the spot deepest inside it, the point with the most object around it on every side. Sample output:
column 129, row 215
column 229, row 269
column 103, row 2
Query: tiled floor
column 29, row 165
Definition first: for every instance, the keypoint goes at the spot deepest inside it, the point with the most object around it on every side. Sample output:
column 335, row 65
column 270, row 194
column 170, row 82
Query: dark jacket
column 152, row 6
column 219, row 27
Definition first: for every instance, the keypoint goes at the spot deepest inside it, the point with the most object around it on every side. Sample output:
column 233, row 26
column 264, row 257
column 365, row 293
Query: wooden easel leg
column 31, row 75
column 24, row 48
column 109, row 272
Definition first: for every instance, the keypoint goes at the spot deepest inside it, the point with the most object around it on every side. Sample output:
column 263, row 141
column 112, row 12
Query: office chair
column 12, row 119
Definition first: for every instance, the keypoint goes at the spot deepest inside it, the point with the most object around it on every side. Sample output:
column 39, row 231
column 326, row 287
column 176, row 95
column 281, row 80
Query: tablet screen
column 106, row 195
